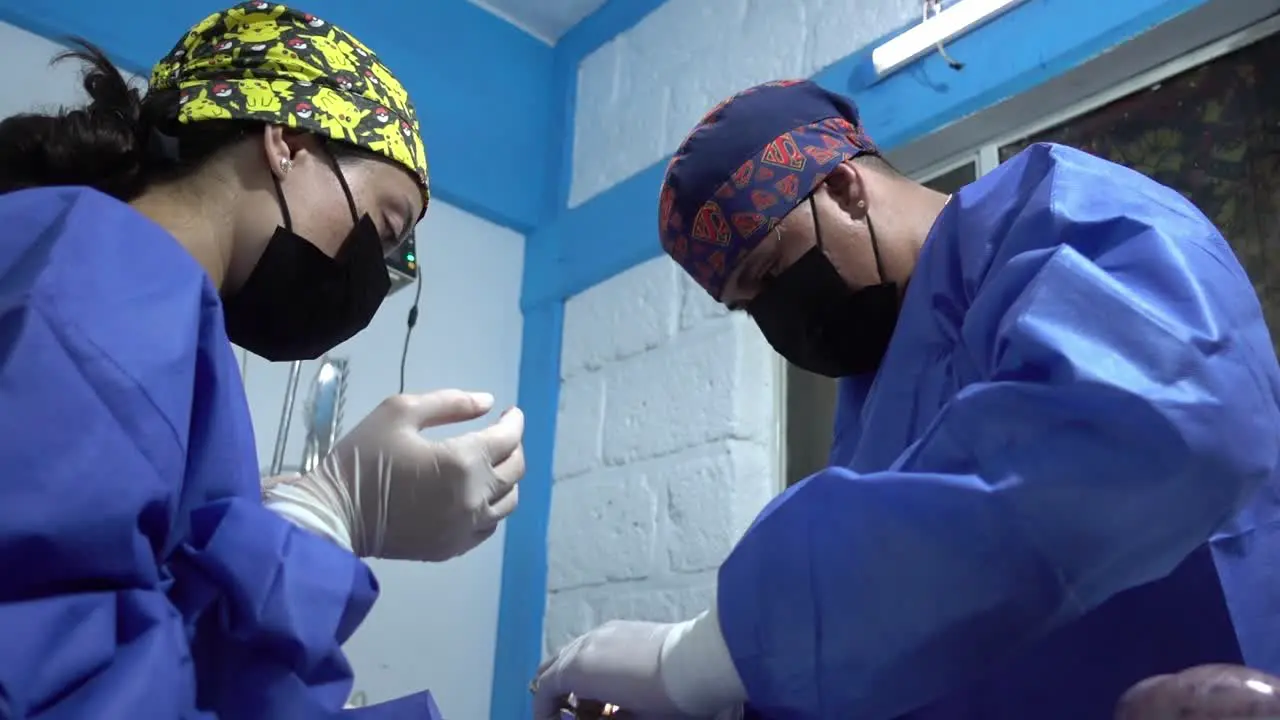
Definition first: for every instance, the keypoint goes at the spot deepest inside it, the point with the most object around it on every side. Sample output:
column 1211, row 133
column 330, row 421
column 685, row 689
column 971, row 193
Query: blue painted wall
column 483, row 103
column 1036, row 42
column 524, row 564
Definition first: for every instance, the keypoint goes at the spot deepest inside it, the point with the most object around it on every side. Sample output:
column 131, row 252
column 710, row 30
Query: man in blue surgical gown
column 1054, row 467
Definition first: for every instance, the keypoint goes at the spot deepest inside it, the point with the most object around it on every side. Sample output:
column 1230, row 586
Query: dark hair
column 112, row 144
column 877, row 162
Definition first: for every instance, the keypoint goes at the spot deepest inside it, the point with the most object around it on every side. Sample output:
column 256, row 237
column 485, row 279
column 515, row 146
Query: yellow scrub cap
column 270, row 63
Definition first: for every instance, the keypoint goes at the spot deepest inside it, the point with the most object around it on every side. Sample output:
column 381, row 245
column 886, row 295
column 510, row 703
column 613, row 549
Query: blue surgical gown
column 1062, row 480
column 142, row 577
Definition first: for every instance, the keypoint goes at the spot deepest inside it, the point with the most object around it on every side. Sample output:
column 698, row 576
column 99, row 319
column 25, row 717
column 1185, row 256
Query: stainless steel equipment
column 323, row 413
column 324, row 407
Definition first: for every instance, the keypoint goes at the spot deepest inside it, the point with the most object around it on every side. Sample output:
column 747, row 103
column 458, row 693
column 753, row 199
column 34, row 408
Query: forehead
column 386, row 176
column 796, row 220
column 792, row 228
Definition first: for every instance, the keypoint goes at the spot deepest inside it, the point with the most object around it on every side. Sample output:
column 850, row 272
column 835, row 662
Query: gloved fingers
column 504, row 505
column 501, row 439
column 562, row 680
column 547, row 689
column 507, row 473
column 484, row 534
column 441, row 407
column 549, row 686
column 544, row 666
column 577, row 669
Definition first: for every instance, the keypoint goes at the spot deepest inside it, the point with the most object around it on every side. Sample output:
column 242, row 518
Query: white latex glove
column 387, row 492
column 653, row 670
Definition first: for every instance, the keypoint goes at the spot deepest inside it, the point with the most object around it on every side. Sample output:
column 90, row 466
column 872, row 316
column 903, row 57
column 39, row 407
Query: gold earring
column 862, row 204
column 285, row 165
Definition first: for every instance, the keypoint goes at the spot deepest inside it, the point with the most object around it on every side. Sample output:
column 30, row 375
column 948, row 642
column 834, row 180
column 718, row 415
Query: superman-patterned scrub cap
column 747, row 164
column 269, row 63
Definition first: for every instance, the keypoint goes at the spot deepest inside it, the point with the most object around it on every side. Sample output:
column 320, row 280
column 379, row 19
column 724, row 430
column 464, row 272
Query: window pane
column 952, row 180
column 811, row 414
column 1212, row 133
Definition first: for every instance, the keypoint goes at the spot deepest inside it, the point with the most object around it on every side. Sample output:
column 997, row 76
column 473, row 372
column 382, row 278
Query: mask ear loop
column 285, row 166
column 875, row 246
column 817, row 226
column 342, row 180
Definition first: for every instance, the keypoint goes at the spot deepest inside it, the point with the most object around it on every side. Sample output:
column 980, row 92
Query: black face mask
column 811, row 317
column 298, row 303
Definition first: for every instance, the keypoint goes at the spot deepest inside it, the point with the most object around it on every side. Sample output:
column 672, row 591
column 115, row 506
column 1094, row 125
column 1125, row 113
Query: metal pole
column 282, row 434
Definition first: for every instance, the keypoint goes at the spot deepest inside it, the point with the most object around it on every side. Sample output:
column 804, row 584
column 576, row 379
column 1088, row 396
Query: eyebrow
column 748, row 274
column 753, row 267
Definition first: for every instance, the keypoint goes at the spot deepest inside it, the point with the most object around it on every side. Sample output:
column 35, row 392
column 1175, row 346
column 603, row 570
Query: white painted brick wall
column 641, row 93
column 664, row 449
column 667, row 434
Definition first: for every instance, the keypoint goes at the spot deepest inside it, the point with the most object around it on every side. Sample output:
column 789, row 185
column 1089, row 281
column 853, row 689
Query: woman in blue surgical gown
column 1054, row 465
column 249, row 196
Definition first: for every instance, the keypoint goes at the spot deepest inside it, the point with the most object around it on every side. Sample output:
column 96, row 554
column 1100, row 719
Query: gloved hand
column 655, row 671
column 387, row 492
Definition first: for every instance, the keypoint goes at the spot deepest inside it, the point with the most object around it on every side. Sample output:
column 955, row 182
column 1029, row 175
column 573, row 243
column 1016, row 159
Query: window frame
column 1147, row 81
column 937, row 170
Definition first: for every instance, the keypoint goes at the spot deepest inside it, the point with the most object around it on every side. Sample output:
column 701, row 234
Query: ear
column 846, row 186
column 284, row 148
column 279, row 155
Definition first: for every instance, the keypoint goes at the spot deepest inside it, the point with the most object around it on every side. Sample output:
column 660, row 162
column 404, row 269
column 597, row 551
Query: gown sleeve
column 142, row 576
column 1129, row 406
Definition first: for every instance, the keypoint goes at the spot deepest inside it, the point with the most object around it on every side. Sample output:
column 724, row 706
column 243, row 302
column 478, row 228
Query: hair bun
column 101, row 145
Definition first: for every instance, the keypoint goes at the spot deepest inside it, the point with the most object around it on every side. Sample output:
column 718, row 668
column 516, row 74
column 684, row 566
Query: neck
column 188, row 218
column 927, row 205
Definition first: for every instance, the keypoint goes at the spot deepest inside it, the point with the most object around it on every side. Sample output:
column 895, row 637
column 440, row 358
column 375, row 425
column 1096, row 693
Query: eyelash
column 388, row 239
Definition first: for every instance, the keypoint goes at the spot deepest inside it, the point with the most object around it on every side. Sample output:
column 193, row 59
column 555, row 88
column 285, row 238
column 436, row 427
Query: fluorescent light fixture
column 955, row 20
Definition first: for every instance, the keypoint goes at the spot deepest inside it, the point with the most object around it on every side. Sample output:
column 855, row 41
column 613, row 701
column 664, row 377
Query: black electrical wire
column 409, row 325
column 935, row 7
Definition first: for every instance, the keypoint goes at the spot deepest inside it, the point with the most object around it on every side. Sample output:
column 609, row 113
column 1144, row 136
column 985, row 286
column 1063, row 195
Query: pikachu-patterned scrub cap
column 270, row 63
